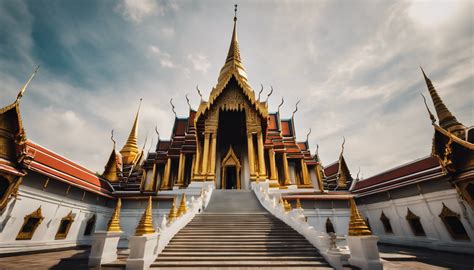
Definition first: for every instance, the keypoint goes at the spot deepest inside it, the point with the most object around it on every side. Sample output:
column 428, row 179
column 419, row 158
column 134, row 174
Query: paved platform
column 394, row 257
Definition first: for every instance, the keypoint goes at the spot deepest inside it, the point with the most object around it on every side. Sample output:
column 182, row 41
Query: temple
column 233, row 141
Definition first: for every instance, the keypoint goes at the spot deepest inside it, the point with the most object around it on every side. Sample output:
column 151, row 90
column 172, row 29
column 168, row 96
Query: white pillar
column 104, row 248
column 364, row 252
column 142, row 251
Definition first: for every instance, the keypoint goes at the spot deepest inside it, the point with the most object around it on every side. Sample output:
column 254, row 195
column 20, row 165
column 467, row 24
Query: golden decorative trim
column 11, row 191
column 64, row 226
column 298, row 203
column 357, row 225
column 30, row 225
column 287, row 206
column 114, row 222
column 145, row 226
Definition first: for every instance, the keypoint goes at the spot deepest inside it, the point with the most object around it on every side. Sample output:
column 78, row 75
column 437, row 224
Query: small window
column 90, row 225
column 415, row 223
column 4, row 185
column 453, row 223
column 329, row 226
column 387, row 227
column 30, row 224
column 64, row 226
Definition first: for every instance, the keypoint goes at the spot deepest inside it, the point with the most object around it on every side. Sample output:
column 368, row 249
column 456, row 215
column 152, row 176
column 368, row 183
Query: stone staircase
column 235, row 231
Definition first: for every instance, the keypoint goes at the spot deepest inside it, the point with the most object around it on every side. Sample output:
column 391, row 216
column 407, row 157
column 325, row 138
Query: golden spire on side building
column 145, row 226
column 357, row 225
column 233, row 60
column 114, row 164
column 114, row 222
column 130, row 149
column 182, row 206
column 446, row 119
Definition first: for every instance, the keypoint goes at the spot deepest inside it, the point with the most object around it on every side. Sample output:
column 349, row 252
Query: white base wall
column 427, row 207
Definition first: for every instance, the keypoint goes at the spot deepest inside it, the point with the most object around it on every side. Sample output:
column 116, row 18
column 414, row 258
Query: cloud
column 357, row 77
column 200, row 62
column 165, row 58
column 136, row 10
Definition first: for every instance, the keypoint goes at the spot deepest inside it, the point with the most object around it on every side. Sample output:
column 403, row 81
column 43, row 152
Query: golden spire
column 173, row 212
column 298, row 203
column 182, row 207
column 130, row 149
column 357, row 225
column 145, row 226
column 446, row 119
column 233, row 61
column 114, row 222
column 287, row 206
column 112, row 167
column 341, row 176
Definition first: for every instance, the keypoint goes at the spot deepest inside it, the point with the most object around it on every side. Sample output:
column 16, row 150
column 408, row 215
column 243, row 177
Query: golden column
column 165, row 184
column 287, row 172
column 251, row 155
column 305, row 172
column 182, row 160
column 319, row 176
column 261, row 158
column 273, row 169
column 205, row 155
column 197, row 160
column 212, row 169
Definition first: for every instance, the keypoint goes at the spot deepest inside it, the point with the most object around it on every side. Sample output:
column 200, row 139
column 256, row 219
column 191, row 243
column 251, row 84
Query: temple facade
column 230, row 141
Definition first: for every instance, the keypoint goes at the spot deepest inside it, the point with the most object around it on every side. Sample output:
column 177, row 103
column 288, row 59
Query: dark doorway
column 230, row 177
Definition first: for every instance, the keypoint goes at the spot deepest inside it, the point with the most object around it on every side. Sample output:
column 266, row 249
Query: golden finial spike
column 145, row 226
column 173, row 214
column 182, row 206
column 446, row 119
column 23, row 89
column 433, row 119
column 130, row 149
column 357, row 225
column 114, row 222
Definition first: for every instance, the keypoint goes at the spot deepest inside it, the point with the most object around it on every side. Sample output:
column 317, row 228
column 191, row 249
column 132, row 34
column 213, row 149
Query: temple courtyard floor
column 393, row 257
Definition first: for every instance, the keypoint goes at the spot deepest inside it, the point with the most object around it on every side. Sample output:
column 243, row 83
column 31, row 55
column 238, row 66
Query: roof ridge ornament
column 260, row 92
column 281, row 104
column 25, row 86
column 199, row 92
column 432, row 117
column 269, row 94
column 296, row 108
column 187, row 101
column 173, row 108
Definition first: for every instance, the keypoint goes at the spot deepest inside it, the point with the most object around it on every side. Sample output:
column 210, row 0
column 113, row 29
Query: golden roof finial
column 23, row 89
column 287, row 206
column 446, row 119
column 342, row 177
column 182, row 206
column 130, row 149
column 173, row 214
column 432, row 117
column 357, row 225
column 145, row 226
column 114, row 222
column 233, row 60
column 113, row 165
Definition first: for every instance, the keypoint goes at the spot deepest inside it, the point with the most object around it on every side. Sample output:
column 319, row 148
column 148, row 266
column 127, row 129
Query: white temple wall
column 339, row 218
column 427, row 207
column 54, row 207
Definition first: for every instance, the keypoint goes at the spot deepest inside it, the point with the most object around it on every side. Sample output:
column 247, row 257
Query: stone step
column 236, row 243
column 233, row 253
column 244, row 245
column 262, row 263
column 215, row 250
column 246, row 233
column 238, row 258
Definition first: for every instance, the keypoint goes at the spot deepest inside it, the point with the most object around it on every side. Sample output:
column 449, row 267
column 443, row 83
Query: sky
column 353, row 64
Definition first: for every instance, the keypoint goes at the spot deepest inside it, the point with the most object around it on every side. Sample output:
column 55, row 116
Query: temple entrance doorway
column 231, row 149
